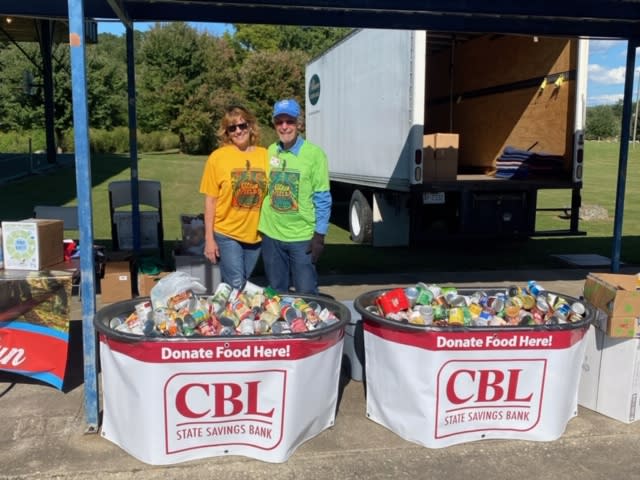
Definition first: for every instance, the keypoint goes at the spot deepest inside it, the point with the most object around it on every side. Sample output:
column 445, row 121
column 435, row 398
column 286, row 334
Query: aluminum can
column 143, row 310
column 257, row 300
column 289, row 314
column 483, row 319
column 475, row 309
column 252, row 289
column 426, row 311
column 247, row 326
column 456, row 316
column 298, row 325
column 514, row 291
column 188, row 325
column 534, row 288
column 525, row 318
column 425, row 297
column 439, row 312
column 412, row 295
column 261, row 326
column 416, row 318
column 222, row 294
column 528, row 301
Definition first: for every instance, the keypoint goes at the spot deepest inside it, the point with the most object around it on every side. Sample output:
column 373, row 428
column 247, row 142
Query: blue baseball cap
column 287, row 106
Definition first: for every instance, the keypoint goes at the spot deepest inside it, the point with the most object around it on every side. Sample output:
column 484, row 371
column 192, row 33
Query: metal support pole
column 133, row 141
column 85, row 214
column 635, row 121
column 624, row 154
column 47, row 75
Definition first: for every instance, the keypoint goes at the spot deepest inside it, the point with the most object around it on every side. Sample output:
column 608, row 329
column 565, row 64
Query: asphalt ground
column 42, row 433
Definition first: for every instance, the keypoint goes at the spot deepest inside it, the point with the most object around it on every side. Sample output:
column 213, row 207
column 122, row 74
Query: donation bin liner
column 173, row 399
column 440, row 386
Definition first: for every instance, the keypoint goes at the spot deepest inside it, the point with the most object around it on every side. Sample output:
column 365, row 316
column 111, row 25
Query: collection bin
column 440, row 386
column 173, row 399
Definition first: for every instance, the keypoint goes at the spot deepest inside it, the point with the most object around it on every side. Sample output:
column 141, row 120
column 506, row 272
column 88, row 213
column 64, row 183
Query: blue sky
column 607, row 60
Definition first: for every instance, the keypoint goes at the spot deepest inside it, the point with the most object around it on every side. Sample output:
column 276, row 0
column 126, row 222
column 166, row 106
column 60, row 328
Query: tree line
column 603, row 122
column 184, row 80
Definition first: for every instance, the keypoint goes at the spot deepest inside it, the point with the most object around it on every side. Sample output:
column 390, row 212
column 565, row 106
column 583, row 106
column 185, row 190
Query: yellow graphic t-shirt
column 238, row 180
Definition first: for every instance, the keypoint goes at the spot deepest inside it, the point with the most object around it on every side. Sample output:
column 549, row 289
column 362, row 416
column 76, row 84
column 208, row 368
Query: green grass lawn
column 180, row 177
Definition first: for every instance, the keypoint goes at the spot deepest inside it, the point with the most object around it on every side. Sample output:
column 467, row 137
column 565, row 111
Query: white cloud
column 603, row 46
column 605, row 99
column 606, row 76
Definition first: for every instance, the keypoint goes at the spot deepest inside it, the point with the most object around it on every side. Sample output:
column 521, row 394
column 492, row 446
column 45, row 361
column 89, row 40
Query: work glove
column 316, row 246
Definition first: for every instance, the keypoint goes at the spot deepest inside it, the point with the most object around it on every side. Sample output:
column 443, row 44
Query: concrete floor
column 42, row 433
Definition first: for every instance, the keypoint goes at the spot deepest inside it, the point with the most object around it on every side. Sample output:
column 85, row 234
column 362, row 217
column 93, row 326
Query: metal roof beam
column 119, row 10
column 166, row 11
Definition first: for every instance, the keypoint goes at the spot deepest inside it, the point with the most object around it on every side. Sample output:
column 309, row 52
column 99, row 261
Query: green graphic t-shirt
column 288, row 213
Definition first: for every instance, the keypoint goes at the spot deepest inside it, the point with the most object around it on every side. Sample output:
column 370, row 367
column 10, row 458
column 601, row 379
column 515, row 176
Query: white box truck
column 514, row 104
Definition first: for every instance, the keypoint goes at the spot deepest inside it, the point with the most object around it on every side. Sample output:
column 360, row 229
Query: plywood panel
column 486, row 120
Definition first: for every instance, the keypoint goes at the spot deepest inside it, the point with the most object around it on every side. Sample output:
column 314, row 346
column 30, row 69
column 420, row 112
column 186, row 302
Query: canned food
column 439, row 312
column 412, row 295
column 298, row 325
column 534, row 288
column 514, row 291
column 479, row 297
column 416, row 318
column 425, row 297
column 475, row 309
column 115, row 322
column 426, row 311
column 221, row 294
column 562, row 310
column 528, row 301
column 247, row 327
column 512, row 314
column 578, row 308
column 261, row 326
column 457, row 301
column 179, row 300
column 272, row 306
column 515, row 302
column 483, row 319
column 525, row 318
column 456, row 316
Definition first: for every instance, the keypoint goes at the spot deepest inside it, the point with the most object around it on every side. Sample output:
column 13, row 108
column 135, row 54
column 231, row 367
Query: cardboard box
column 32, row 244
column 200, row 268
column 146, row 282
column 617, row 296
column 440, row 156
column 116, row 283
column 610, row 379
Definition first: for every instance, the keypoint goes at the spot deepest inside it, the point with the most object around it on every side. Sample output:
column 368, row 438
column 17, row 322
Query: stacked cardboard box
column 440, row 156
column 116, row 283
column 610, row 380
column 32, row 244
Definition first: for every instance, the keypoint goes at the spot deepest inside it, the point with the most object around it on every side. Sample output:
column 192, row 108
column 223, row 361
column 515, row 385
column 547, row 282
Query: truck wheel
column 360, row 218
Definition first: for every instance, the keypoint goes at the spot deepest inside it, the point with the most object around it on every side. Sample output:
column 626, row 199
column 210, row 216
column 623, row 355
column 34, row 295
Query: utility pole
column 635, row 120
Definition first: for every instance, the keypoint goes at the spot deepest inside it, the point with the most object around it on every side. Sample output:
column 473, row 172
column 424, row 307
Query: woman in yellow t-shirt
column 234, row 183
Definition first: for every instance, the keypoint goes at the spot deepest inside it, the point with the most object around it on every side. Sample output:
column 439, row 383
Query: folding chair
column 120, row 211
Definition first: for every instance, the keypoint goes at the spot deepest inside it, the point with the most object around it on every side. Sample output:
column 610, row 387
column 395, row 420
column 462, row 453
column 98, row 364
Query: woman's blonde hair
column 230, row 117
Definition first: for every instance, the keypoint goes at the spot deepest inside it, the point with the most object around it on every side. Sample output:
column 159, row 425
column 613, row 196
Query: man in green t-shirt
column 295, row 214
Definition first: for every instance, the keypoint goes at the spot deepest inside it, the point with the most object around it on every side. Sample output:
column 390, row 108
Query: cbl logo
column 480, row 395
column 314, row 89
column 210, row 409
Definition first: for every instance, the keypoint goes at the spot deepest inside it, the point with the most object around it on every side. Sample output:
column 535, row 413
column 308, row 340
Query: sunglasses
column 288, row 121
column 241, row 126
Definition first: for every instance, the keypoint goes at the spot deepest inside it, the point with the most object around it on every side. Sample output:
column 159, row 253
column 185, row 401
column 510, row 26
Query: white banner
column 443, row 388
column 172, row 401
